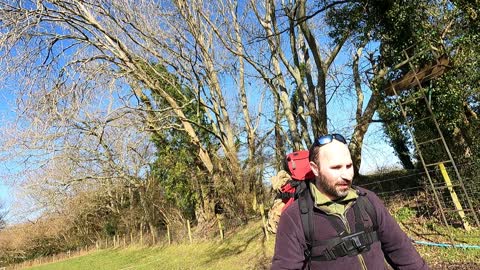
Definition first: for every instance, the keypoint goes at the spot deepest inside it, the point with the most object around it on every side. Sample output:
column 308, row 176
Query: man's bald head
column 333, row 169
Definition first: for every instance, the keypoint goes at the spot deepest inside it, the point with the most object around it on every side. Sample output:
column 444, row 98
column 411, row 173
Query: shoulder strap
column 357, row 211
column 305, row 202
column 364, row 203
column 343, row 244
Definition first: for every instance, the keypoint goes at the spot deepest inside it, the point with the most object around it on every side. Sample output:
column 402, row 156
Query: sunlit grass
column 246, row 249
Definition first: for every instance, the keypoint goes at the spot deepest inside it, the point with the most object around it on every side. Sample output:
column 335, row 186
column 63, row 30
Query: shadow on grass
column 229, row 248
column 252, row 244
column 264, row 261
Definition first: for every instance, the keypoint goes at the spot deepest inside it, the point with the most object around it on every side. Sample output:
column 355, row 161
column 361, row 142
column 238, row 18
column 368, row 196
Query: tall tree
column 287, row 34
column 3, row 213
column 175, row 169
column 69, row 42
column 445, row 42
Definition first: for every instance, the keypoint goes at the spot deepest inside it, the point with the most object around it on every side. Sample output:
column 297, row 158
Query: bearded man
column 335, row 226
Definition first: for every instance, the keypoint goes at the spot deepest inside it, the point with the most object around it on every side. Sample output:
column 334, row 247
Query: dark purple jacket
column 393, row 245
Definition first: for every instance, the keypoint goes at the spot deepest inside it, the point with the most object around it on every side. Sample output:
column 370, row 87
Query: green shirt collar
column 332, row 207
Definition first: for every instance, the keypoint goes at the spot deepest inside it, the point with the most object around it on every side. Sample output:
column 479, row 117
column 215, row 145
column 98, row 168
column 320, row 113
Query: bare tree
column 79, row 58
column 73, row 50
column 299, row 64
column 3, row 214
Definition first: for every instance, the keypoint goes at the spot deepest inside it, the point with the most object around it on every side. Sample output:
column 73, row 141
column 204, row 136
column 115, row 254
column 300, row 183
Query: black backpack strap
column 353, row 243
column 343, row 244
column 347, row 245
column 285, row 195
column 357, row 211
column 300, row 187
column 364, row 203
column 305, row 203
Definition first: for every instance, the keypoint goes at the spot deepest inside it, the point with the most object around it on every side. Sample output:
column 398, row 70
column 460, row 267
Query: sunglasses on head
column 326, row 139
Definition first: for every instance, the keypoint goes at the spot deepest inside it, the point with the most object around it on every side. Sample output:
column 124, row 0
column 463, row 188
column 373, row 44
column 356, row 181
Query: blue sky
column 5, row 114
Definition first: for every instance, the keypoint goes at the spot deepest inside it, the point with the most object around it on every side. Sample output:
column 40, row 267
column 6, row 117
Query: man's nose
column 347, row 174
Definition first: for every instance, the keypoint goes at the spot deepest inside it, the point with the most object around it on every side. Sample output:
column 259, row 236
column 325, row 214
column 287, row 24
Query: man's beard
column 334, row 191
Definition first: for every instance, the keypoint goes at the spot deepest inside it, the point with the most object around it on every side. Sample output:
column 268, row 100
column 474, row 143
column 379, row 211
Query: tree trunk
column 363, row 117
column 205, row 208
column 279, row 138
column 399, row 144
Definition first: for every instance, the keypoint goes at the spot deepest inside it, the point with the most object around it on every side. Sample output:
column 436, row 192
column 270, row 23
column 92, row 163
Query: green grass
column 435, row 255
column 404, row 214
column 245, row 248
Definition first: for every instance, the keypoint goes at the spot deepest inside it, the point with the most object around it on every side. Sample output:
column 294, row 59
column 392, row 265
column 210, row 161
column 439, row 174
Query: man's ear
column 315, row 169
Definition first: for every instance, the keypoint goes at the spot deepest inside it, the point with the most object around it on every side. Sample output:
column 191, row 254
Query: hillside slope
column 245, row 248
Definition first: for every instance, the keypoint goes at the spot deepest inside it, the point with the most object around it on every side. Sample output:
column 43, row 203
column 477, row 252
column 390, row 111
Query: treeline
column 132, row 116
column 88, row 218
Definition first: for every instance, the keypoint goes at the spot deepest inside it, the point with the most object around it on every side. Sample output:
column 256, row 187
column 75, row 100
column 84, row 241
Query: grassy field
column 242, row 249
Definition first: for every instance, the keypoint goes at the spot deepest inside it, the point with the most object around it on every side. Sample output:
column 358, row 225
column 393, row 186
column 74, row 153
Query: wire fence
column 410, row 198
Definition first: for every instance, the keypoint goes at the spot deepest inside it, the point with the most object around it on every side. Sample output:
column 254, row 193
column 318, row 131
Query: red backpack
column 289, row 184
column 298, row 166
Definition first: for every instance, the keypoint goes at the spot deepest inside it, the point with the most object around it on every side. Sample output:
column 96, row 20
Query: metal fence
column 409, row 196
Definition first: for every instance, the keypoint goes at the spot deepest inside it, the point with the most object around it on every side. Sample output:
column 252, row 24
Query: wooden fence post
column 153, row 237
column 220, row 226
column 168, row 235
column 189, row 231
